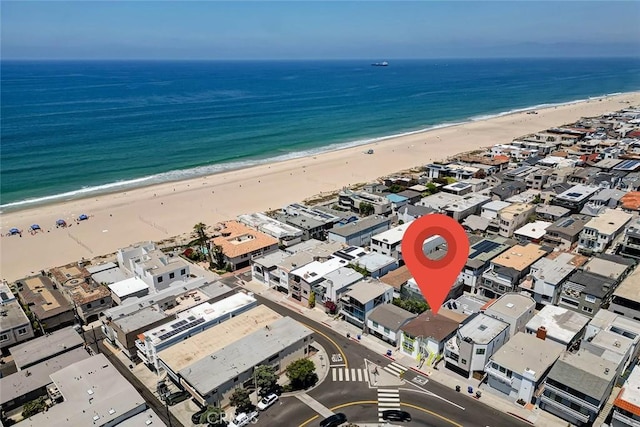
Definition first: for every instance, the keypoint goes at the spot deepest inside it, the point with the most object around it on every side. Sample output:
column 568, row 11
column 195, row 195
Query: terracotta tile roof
column 397, row 277
column 488, row 304
column 236, row 239
column 631, row 200
column 627, row 406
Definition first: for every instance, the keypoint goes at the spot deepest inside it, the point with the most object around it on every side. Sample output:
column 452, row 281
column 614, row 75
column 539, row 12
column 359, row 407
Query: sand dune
column 165, row 210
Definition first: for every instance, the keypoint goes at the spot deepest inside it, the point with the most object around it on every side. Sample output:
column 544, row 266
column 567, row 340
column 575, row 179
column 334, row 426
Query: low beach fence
column 153, row 224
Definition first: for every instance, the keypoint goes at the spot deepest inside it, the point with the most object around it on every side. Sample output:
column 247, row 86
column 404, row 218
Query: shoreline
column 170, row 209
column 219, row 168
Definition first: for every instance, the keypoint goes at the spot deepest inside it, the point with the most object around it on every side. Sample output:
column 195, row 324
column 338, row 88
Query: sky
column 238, row 30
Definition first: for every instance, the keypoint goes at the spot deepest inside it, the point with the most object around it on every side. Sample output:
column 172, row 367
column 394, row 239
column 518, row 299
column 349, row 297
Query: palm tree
column 220, row 262
column 201, row 231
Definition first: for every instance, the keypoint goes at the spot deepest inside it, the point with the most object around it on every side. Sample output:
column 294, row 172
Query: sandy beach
column 170, row 209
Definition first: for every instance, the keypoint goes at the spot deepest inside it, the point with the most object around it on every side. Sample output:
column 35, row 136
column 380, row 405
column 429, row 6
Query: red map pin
column 435, row 278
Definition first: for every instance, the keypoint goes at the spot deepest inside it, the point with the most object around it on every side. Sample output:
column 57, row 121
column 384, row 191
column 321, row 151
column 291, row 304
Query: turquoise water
column 70, row 129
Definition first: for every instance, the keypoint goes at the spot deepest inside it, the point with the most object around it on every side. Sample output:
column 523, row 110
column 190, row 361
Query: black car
column 395, row 415
column 334, row 420
column 195, row 418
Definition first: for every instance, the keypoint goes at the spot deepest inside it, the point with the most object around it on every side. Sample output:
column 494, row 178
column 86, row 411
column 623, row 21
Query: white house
column 386, row 320
column 598, row 233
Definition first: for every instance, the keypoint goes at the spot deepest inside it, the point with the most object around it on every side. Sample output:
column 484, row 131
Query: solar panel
column 483, row 247
column 567, row 222
column 178, row 324
column 628, row 165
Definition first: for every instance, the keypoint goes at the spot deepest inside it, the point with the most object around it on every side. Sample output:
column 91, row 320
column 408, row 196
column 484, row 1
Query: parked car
column 334, row 420
column 243, row 419
column 396, row 415
column 177, row 397
column 267, row 401
column 195, row 418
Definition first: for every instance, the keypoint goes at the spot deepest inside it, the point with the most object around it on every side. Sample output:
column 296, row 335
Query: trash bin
column 470, row 389
column 358, row 337
column 389, row 353
column 458, row 388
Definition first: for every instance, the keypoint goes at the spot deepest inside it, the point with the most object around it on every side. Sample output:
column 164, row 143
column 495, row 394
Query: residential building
column 88, row 297
column 362, row 297
column 630, row 246
column 439, row 201
column 613, row 347
column 575, row 197
column 397, row 279
column 551, row 213
column 122, row 324
column 626, row 297
column 408, row 213
column 412, row 195
column 507, row 189
column 480, row 255
column 564, row 233
column 264, row 269
column 386, row 320
column 600, row 231
column 507, row 269
column 526, row 197
column 513, row 217
column 459, row 188
column 90, row 392
column 476, row 340
column 353, row 200
column 308, row 278
column 630, row 202
column 548, row 274
column 133, row 287
column 468, row 205
column 457, row 171
column 558, row 324
column 336, row 283
column 188, row 323
column 240, row 244
column 359, row 233
column 491, row 209
column 626, row 406
column 578, row 386
column 397, row 201
column 45, row 347
column 45, row 301
column 223, row 358
column 287, row 235
column 377, row 265
column 319, row 251
column 520, row 366
column 107, row 273
column 532, row 232
column 15, row 326
column 388, row 242
column 157, row 269
column 424, row 337
column 27, row 385
column 513, row 308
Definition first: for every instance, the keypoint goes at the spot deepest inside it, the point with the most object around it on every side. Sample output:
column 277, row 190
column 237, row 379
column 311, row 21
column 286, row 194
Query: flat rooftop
column 375, row 261
column 128, row 287
column 191, row 350
column 561, row 324
column 512, row 304
column 242, row 355
column 609, row 222
column 367, row 290
column 533, row 230
column 47, row 301
column 93, row 391
column 14, row 316
column 272, row 259
column 520, row 257
column 527, row 352
column 44, row 347
column 629, row 397
column 486, row 250
column 584, row 372
column 359, row 226
column 481, row 328
column 393, row 235
column 316, row 270
column 630, row 287
column 555, row 270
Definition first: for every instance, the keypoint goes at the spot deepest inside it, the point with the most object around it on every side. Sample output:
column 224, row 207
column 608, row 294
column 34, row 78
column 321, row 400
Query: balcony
column 625, row 419
column 497, row 374
column 141, row 347
column 565, row 409
column 593, row 408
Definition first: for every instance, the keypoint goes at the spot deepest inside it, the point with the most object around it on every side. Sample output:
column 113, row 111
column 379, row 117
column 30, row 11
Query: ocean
column 72, row 129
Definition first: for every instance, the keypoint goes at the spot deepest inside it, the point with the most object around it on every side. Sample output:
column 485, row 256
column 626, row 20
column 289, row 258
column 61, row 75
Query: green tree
column 266, row 377
column 213, row 416
column 302, row 374
column 220, row 261
column 33, row 407
column 396, row 188
column 366, row 209
column 201, row 233
column 241, row 400
column 312, row 300
column 411, row 305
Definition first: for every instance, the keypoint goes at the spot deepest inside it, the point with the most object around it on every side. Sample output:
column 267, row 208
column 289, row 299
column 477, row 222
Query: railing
column 575, row 414
column 572, row 398
column 625, row 419
column 495, row 373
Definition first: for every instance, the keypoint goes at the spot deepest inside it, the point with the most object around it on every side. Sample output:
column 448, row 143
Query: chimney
column 541, row 333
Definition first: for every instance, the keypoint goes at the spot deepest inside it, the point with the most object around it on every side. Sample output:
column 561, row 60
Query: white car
column 243, row 419
column 267, row 401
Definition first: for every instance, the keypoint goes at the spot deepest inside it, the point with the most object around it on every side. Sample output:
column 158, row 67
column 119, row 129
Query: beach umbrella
column 61, row 222
column 14, row 231
column 83, row 217
column 35, row 227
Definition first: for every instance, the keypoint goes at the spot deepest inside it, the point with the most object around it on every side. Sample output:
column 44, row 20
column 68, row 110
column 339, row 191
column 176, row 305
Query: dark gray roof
column 427, row 325
column 617, row 259
column 508, row 189
column 416, row 211
column 358, row 226
column 391, row 316
column 594, row 284
column 559, row 188
column 410, row 194
column 584, row 372
column 570, row 226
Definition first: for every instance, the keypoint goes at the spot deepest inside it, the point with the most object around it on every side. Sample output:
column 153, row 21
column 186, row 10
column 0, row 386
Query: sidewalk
column 532, row 415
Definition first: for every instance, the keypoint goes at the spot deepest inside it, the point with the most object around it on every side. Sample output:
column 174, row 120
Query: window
column 480, row 350
column 172, row 275
column 22, row 331
column 183, row 271
column 235, row 380
column 375, row 324
column 587, row 309
column 387, row 331
column 590, row 299
column 160, row 279
column 102, row 301
column 4, row 337
column 463, row 361
column 274, row 357
column 89, row 305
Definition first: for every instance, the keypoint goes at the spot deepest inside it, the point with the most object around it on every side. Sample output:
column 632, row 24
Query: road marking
column 360, row 375
column 334, row 375
column 344, row 374
column 340, row 375
column 395, row 369
column 374, row 402
column 388, row 398
column 344, row 356
column 419, row 379
column 429, row 393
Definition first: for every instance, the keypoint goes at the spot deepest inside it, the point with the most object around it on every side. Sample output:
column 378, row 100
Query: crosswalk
column 395, row 369
column 349, row 374
column 388, row 398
